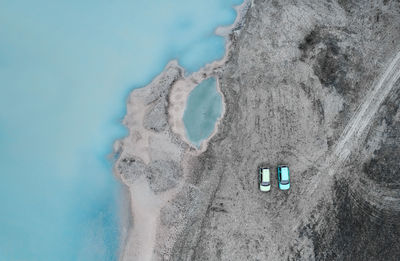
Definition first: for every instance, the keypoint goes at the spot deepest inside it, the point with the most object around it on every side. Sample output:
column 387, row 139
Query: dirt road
column 366, row 112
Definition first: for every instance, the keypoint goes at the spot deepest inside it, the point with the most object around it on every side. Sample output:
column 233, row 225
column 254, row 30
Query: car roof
column 265, row 176
column 284, row 173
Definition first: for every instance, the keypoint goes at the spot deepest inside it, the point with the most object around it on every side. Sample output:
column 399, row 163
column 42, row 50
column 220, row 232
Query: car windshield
column 285, row 182
column 265, row 183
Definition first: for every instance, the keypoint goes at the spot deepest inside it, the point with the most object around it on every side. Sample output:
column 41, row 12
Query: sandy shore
column 143, row 145
column 157, row 139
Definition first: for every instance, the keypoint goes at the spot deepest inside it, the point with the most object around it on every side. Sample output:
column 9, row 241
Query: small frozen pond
column 203, row 109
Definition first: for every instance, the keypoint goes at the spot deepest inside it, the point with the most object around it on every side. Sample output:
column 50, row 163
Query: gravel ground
column 310, row 84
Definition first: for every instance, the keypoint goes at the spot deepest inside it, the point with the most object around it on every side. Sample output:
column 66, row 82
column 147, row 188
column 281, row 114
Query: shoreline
column 137, row 145
column 137, row 148
column 178, row 100
column 181, row 89
column 125, row 218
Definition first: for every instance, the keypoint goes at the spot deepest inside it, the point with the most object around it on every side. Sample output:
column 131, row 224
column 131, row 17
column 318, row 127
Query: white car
column 264, row 179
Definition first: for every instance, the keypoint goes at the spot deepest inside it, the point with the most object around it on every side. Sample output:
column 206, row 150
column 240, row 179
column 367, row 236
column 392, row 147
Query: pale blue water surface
column 66, row 68
column 203, row 108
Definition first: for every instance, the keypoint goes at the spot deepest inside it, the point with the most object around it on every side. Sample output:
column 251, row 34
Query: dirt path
column 349, row 140
column 366, row 112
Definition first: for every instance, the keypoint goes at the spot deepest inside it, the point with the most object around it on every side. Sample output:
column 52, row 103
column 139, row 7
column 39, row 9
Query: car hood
column 284, row 187
column 265, row 188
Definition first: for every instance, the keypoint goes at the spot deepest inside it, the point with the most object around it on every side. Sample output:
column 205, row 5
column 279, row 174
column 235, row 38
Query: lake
column 66, row 69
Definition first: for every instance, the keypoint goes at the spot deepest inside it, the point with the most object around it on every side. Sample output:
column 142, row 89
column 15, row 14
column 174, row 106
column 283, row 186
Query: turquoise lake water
column 66, row 68
column 203, row 108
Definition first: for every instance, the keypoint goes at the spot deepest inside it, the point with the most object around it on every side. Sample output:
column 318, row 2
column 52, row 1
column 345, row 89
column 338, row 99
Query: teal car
column 264, row 179
column 283, row 177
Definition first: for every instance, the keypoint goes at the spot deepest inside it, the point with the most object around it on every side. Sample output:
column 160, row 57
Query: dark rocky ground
column 365, row 228
column 298, row 72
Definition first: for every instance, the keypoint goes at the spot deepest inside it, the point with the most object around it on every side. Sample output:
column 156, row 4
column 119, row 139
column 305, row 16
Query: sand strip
column 150, row 143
